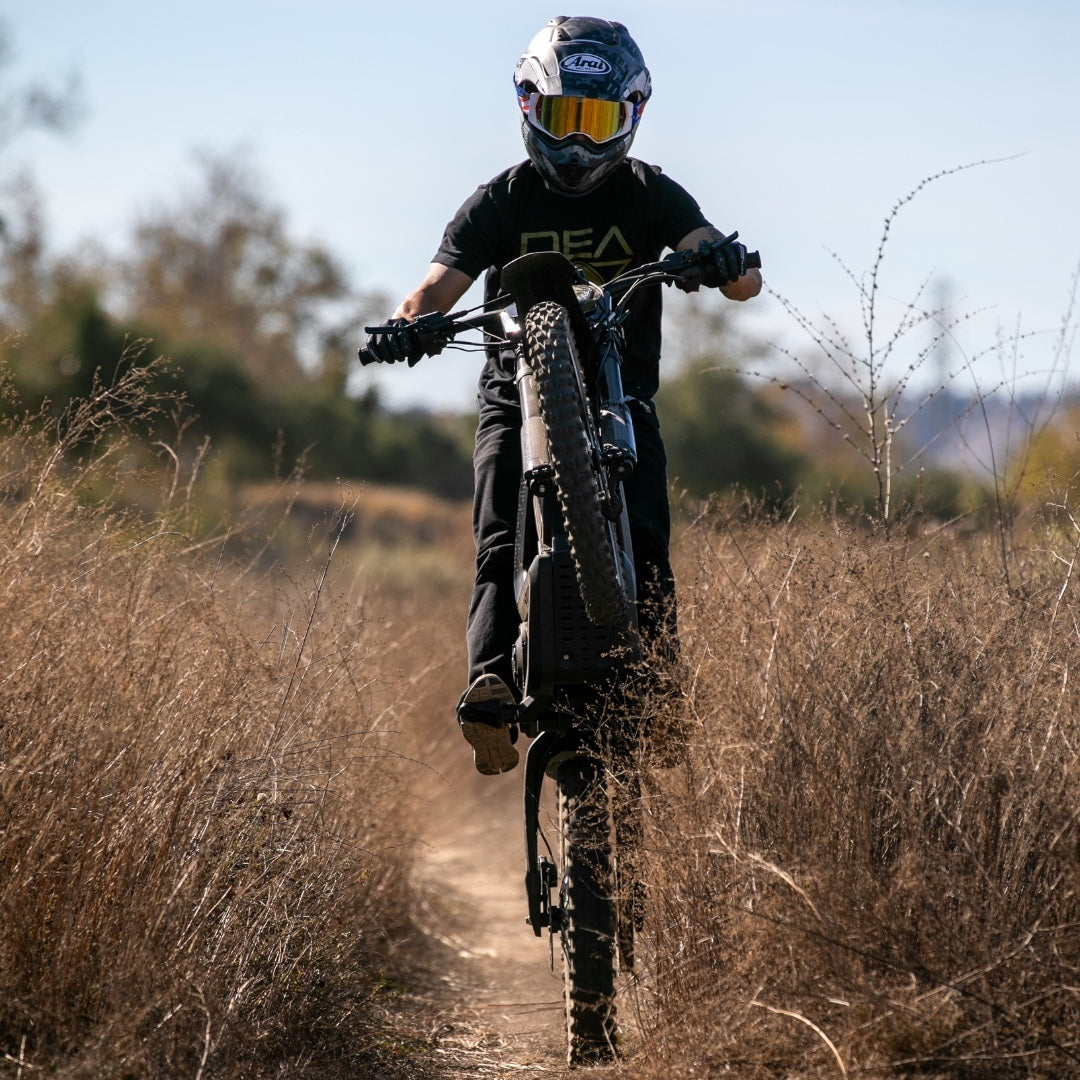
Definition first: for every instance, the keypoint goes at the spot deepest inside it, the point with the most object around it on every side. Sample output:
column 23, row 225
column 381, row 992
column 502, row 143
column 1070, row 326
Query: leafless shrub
column 869, row 389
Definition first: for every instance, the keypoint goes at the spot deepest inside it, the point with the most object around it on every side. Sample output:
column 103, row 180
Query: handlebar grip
column 753, row 260
column 364, row 353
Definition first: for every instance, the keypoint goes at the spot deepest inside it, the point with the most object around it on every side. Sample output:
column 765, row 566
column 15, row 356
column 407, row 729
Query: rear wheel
column 588, row 910
column 550, row 344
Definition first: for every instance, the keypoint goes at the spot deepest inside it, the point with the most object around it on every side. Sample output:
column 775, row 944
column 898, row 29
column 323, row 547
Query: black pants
column 493, row 617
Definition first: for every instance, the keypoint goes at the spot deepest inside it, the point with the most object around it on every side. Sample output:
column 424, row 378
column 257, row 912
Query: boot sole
column 493, row 753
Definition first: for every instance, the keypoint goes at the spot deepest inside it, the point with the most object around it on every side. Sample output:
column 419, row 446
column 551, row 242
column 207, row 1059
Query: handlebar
column 432, row 332
column 680, row 265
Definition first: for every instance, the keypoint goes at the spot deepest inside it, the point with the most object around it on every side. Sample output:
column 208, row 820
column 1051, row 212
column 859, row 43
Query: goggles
column 594, row 118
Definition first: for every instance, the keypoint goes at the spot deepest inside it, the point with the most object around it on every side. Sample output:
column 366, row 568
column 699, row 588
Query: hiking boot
column 480, row 715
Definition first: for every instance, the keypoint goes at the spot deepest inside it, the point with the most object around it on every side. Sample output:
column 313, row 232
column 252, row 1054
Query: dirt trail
column 490, row 1001
column 498, row 1005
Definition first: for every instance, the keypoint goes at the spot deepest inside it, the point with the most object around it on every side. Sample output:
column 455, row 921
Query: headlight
column 587, row 294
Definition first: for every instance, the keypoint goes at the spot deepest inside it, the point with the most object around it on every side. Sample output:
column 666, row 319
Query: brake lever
column 431, row 323
column 430, row 331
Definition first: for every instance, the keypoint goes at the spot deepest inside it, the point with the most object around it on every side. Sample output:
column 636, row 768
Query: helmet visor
column 594, row 118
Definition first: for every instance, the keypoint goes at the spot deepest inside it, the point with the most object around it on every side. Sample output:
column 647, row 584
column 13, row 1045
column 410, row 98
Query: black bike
column 577, row 649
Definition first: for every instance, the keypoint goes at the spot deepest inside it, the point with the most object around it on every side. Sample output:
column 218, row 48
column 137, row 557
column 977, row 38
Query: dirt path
column 492, row 1005
column 498, row 1006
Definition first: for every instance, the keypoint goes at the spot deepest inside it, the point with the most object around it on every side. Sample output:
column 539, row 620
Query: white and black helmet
column 582, row 85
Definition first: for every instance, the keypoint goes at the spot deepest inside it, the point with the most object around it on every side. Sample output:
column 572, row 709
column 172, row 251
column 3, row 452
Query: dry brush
column 202, row 870
column 870, row 861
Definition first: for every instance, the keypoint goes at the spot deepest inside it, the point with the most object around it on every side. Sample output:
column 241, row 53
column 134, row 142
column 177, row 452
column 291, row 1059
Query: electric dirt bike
column 577, row 645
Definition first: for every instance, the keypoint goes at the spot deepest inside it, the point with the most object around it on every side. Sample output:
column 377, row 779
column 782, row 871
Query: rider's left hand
column 722, row 263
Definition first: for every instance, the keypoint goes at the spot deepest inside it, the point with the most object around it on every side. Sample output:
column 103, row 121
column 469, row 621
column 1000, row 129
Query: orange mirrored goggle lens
column 596, row 119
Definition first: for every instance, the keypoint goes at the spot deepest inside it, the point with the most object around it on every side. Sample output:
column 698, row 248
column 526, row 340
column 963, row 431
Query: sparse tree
column 23, row 269
column 24, row 107
column 221, row 266
column 34, row 104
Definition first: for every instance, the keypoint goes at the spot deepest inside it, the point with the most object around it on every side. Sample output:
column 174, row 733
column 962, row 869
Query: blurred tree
column 23, row 269
column 259, row 329
column 25, row 107
column 720, row 433
column 418, row 449
column 1050, row 461
column 33, row 105
column 221, row 267
column 69, row 339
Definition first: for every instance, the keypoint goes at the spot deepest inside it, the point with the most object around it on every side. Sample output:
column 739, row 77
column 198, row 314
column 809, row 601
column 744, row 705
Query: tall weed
column 870, row 860
column 202, row 867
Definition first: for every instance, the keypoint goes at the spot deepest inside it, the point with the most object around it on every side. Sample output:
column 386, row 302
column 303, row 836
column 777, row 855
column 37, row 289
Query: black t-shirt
column 628, row 220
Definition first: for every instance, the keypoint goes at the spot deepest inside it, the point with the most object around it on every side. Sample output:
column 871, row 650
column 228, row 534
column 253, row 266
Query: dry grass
column 870, row 863
column 202, row 860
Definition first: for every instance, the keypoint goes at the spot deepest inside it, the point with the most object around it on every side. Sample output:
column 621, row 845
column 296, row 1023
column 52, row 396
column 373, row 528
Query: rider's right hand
column 396, row 347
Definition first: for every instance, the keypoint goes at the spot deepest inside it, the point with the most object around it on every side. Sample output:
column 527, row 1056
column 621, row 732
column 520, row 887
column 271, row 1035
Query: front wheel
column 553, row 355
column 587, row 904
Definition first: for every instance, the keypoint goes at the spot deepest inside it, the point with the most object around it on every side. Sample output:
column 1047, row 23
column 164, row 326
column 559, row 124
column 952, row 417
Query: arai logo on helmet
column 585, row 64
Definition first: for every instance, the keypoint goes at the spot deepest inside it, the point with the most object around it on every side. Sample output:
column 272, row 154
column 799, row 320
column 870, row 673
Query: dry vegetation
column 202, row 858
column 867, row 865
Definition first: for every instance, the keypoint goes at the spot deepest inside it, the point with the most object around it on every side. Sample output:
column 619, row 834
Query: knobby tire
column 588, row 910
column 550, row 345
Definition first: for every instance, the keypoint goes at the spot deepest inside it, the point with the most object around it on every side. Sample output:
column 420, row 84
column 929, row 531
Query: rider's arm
column 744, row 288
column 441, row 289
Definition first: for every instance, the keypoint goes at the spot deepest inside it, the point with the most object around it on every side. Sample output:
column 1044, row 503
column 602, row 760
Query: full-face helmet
column 582, row 85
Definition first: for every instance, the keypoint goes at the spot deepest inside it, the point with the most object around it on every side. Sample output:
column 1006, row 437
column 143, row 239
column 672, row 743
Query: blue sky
column 798, row 124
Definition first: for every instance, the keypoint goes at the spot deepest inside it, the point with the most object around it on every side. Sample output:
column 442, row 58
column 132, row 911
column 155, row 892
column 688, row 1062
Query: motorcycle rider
column 582, row 86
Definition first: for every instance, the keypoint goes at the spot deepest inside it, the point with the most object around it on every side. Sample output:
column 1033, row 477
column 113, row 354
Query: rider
column 582, row 86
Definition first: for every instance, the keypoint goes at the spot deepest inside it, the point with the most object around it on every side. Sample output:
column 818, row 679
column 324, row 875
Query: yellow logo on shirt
column 599, row 261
